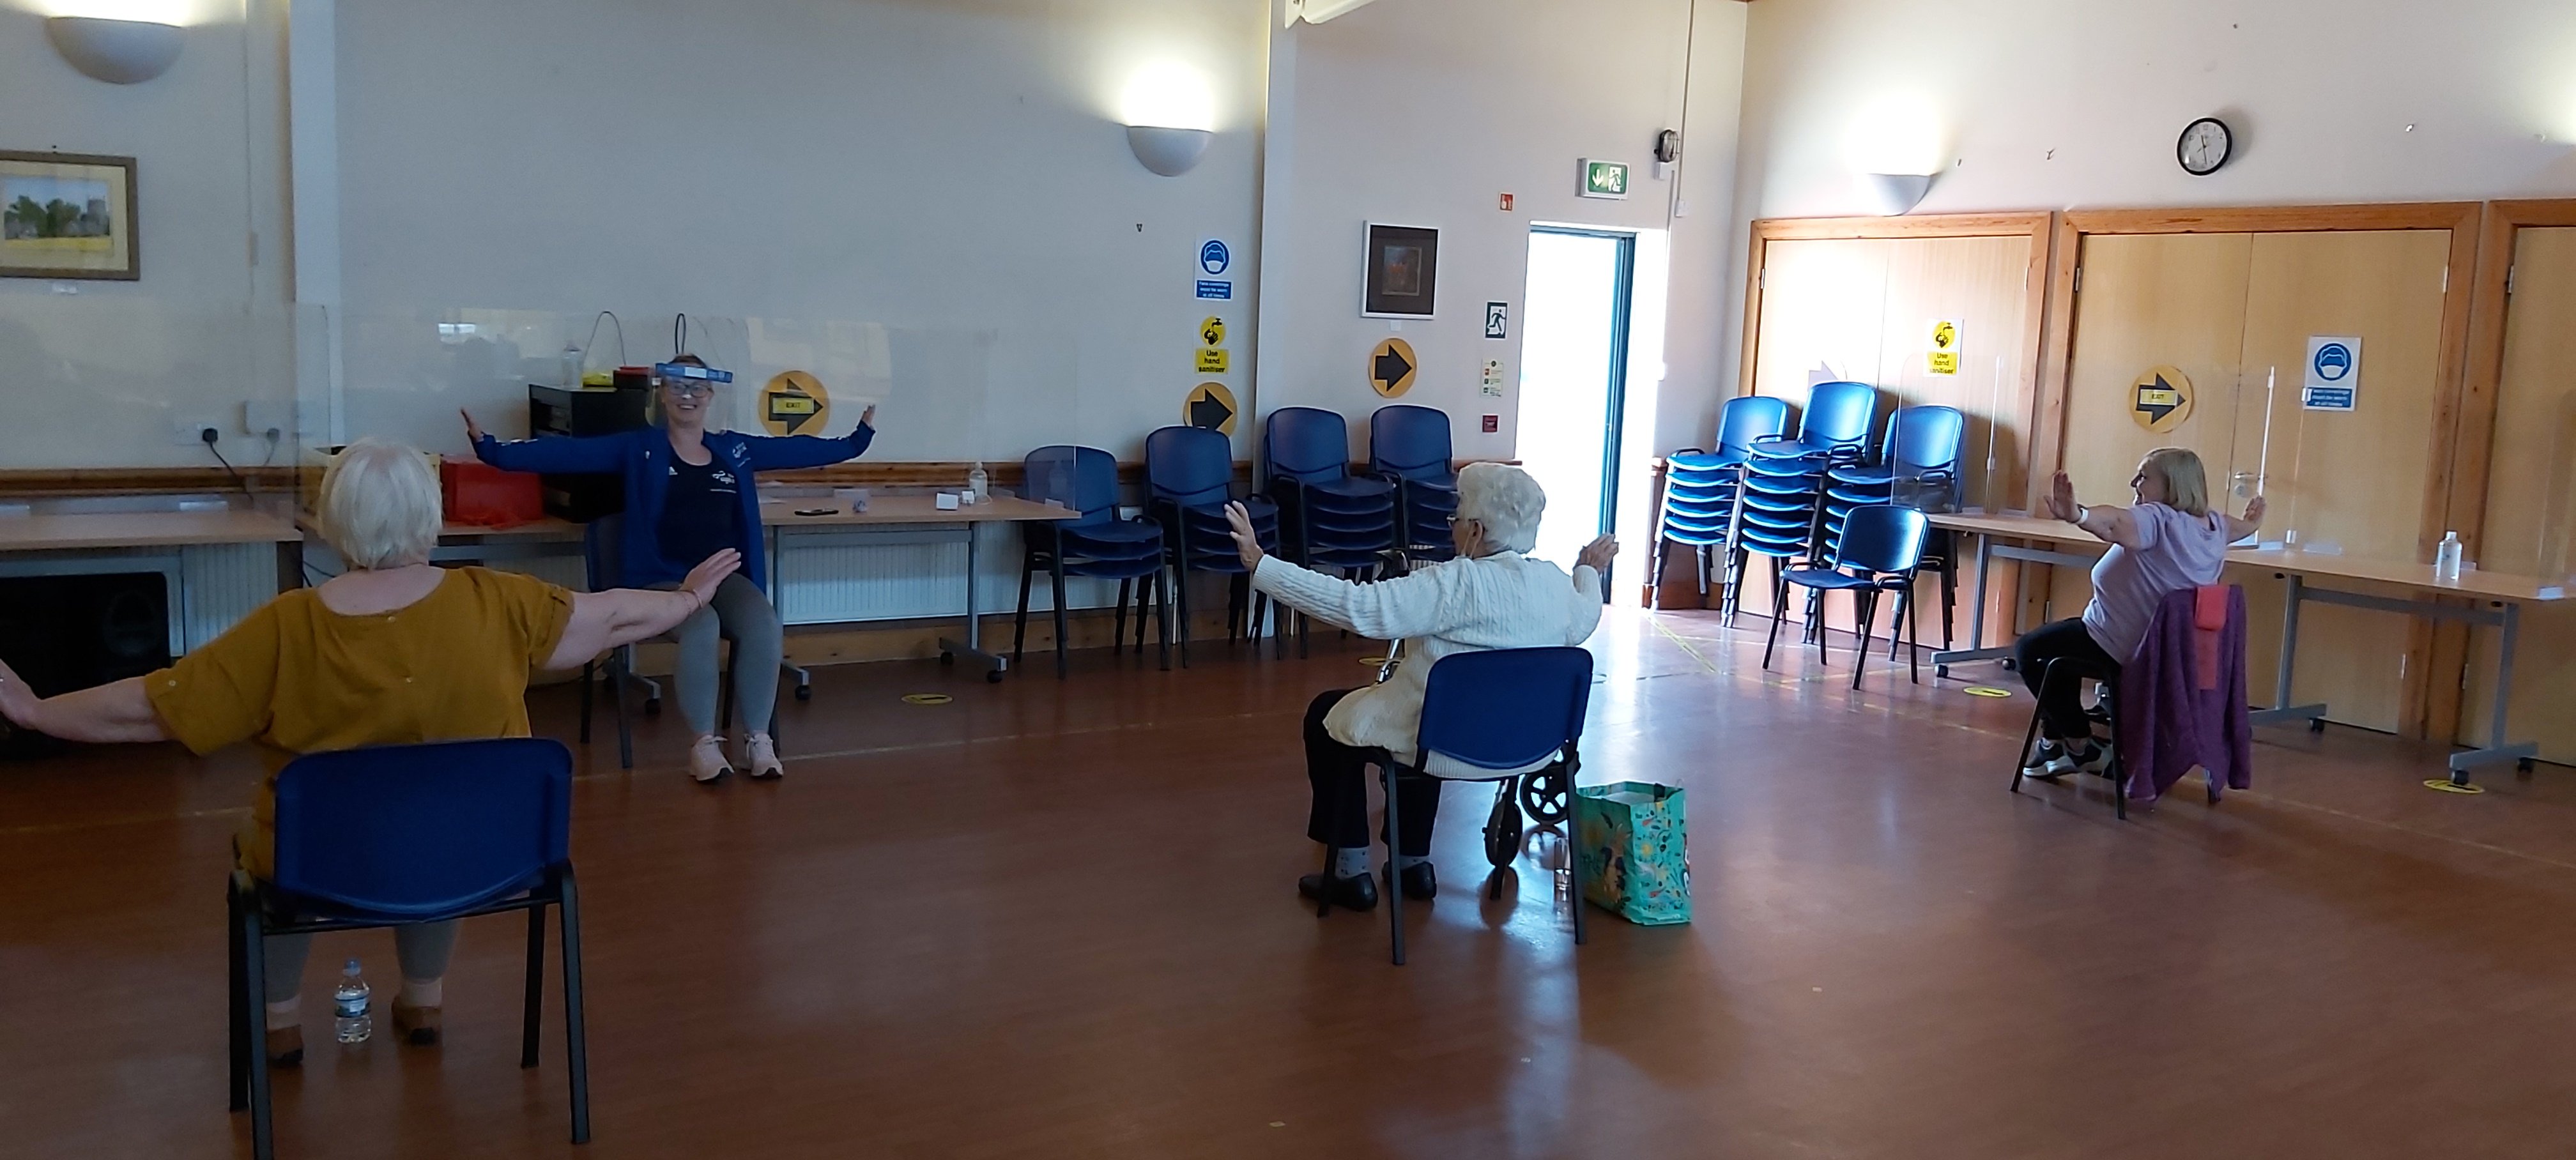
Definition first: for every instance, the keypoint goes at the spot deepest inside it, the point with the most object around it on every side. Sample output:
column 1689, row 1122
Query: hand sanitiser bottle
column 351, row 1021
column 2446, row 558
column 975, row 482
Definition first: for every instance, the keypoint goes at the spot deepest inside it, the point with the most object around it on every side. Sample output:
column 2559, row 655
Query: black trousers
column 1341, row 778
column 2061, row 709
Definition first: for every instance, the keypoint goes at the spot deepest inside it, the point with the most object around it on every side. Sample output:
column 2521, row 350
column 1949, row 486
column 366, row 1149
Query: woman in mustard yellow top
column 394, row 651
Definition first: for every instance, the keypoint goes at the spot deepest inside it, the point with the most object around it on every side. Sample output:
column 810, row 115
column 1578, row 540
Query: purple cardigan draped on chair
column 2183, row 696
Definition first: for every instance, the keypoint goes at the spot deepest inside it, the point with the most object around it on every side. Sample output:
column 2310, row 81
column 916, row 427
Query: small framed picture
column 1403, row 271
column 67, row 215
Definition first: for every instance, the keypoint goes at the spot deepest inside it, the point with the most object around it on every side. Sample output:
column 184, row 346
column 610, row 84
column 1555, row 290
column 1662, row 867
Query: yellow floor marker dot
column 927, row 698
column 2444, row 784
column 1986, row 691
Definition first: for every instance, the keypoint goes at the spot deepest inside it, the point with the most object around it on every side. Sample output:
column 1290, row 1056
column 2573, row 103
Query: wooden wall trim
column 107, row 481
column 2262, row 219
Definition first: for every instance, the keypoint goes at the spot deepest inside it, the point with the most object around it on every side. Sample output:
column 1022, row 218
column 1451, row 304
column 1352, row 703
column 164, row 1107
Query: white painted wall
column 939, row 197
column 1423, row 112
column 96, row 371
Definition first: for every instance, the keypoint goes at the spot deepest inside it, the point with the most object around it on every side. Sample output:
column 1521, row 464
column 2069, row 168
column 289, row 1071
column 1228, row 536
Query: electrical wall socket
column 259, row 418
column 186, row 430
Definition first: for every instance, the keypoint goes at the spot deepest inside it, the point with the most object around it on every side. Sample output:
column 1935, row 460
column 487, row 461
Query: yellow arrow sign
column 1392, row 367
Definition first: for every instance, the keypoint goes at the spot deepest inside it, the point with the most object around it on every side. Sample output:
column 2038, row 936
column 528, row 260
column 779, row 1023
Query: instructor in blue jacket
column 689, row 494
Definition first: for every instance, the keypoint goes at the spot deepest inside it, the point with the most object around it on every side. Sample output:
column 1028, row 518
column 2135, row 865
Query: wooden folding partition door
column 2516, row 505
column 2224, row 303
column 1858, row 299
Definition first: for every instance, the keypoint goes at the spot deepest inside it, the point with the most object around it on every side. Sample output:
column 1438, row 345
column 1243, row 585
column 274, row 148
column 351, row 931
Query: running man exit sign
column 1605, row 178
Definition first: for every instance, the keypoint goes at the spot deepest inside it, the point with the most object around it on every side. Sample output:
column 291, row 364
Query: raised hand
column 1247, row 546
column 2061, row 497
column 1596, row 555
column 2254, row 509
column 473, row 432
column 868, row 418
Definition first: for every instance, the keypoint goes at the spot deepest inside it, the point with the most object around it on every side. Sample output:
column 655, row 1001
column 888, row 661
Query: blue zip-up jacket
column 643, row 457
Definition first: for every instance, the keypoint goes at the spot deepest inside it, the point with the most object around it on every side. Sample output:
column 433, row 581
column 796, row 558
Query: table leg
column 2498, row 747
column 972, row 647
column 2282, row 710
column 1976, row 650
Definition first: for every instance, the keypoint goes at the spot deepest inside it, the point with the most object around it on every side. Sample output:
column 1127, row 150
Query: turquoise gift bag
column 1631, row 849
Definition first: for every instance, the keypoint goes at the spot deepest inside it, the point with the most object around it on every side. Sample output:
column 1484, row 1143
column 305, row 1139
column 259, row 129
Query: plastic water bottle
column 2446, row 558
column 351, row 1021
column 570, row 370
column 975, row 481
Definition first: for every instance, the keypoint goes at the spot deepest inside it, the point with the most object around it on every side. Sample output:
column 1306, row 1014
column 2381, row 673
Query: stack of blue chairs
column 1917, row 467
column 1779, row 508
column 1096, row 543
column 1699, row 486
column 1329, row 519
column 1409, row 448
column 1189, row 477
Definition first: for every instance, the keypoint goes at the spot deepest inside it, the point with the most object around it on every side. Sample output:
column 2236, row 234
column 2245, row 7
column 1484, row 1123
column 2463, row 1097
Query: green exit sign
column 1605, row 178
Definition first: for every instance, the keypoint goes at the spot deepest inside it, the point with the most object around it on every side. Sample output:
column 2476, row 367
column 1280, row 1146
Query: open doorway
column 1574, row 379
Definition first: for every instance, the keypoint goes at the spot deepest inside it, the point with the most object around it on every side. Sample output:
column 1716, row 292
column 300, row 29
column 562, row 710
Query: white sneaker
column 2048, row 761
column 2096, row 760
column 707, row 760
column 760, row 756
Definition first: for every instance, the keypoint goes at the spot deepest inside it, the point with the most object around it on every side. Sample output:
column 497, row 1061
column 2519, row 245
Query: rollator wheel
column 948, row 658
column 1543, row 795
column 804, row 692
column 1503, row 831
column 652, row 706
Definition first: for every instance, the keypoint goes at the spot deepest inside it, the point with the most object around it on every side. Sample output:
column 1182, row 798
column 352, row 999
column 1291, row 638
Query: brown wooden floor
column 1056, row 920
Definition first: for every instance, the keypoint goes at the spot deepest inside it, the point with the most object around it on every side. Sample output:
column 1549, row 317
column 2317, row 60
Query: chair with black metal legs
column 599, row 547
column 1917, row 467
column 1409, row 447
column 1882, row 545
column 1189, row 478
column 402, row 834
column 1500, row 715
column 1329, row 519
column 2075, row 669
column 1096, row 544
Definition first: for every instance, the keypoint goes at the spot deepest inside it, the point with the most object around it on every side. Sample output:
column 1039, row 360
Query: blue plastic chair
column 403, row 834
column 1918, row 467
column 1329, row 518
column 1497, row 710
column 1409, row 447
column 1881, row 548
column 1096, row 543
column 604, row 569
column 1746, row 420
column 1698, row 503
column 1836, row 424
column 1189, row 478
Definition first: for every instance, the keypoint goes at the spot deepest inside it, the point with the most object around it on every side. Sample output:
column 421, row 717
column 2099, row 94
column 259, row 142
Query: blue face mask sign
column 1214, row 258
column 2333, row 381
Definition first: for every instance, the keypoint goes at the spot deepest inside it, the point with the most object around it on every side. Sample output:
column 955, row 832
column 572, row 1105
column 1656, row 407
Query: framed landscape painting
column 67, row 215
column 1402, row 272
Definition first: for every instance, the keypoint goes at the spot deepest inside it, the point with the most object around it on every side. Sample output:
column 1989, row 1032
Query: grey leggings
column 421, row 948
column 740, row 611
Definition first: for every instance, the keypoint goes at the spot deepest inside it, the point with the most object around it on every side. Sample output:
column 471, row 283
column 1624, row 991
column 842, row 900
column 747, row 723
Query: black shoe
column 1419, row 883
column 1357, row 892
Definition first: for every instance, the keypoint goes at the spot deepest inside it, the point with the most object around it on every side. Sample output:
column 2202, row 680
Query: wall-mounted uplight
column 1319, row 11
column 1171, row 117
column 120, row 52
column 1895, row 149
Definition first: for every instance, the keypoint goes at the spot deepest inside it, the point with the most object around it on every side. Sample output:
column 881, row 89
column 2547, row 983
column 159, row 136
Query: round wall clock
column 2204, row 146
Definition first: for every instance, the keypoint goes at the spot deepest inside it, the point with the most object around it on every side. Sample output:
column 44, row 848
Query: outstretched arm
column 564, row 453
column 112, row 712
column 621, row 616
column 1414, row 605
column 2110, row 524
column 2253, row 522
column 787, row 452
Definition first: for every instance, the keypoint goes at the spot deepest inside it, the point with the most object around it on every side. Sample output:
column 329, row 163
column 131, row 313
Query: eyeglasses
column 684, row 389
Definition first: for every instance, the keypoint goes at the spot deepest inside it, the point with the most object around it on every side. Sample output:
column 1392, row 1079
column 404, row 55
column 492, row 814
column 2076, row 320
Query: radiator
column 219, row 584
column 822, row 578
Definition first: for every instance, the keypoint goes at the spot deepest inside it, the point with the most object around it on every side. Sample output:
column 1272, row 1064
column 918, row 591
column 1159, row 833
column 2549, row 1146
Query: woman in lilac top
column 2170, row 541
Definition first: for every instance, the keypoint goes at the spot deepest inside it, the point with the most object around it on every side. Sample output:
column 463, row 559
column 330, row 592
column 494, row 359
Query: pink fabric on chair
column 2183, row 696
column 2209, row 615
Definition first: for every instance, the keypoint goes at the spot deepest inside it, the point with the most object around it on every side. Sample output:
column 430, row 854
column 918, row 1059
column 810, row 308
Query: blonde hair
column 1505, row 500
column 380, row 505
column 2186, row 484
